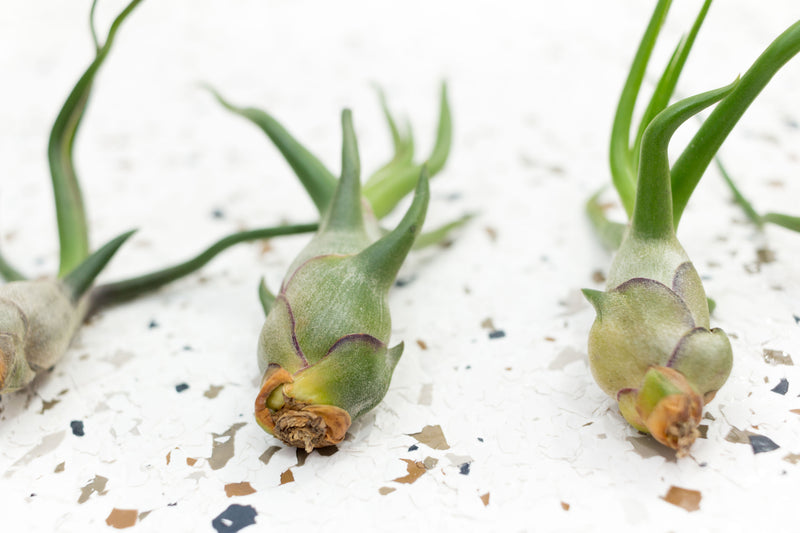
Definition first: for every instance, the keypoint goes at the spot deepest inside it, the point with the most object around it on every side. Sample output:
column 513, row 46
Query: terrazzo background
column 492, row 419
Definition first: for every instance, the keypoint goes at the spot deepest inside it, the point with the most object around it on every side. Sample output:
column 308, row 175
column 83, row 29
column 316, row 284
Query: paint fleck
column 793, row 458
column 77, row 428
column 777, row 357
column 180, row 387
column 491, row 232
column 144, row 514
column 152, row 325
column 485, row 499
column 402, row 282
column 267, row 455
column 48, row 404
column 413, row 448
column 47, row 445
column 415, row 470
column 213, row 391
column 425, row 394
column 422, row 345
column 464, row 469
column 223, row 447
column 598, row 277
column 433, row 437
column 383, row 491
column 499, row 334
column 239, row 489
column 430, row 463
column 795, row 411
column 737, row 436
column 191, row 461
column 488, row 324
column 301, row 456
column 327, row 451
column 122, row 518
column 59, row 467
column 685, row 498
column 702, row 429
column 762, row 444
column 169, row 457
column 287, row 477
column 648, row 447
column 782, row 387
column 234, row 518
column 565, row 506
column 218, row 213
column 96, row 485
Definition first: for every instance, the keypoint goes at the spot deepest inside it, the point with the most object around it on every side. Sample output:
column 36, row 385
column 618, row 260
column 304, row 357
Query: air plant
column 39, row 318
column 324, row 348
column 651, row 346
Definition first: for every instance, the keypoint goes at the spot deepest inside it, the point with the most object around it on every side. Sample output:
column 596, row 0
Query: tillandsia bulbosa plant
column 39, row 317
column 651, row 346
column 324, row 348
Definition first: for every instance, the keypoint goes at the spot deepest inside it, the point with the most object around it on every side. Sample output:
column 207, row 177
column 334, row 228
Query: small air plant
column 324, row 348
column 39, row 318
column 651, row 346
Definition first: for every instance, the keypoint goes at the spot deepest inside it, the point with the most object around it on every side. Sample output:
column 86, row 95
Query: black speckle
column 181, row 387
column 327, row 451
column 152, row 325
column 413, row 447
column 497, row 334
column 33, row 494
column 782, row 387
column 796, row 319
column 402, row 282
column 218, row 213
column 480, row 439
column 468, row 367
column 703, row 464
column 173, row 504
column 234, row 518
column 762, row 444
column 77, row 428
column 187, row 348
column 464, row 469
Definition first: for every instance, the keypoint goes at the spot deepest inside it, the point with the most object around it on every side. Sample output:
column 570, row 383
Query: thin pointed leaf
column 623, row 173
column 403, row 148
column 738, row 197
column 785, row 221
column 440, row 234
column 124, row 290
column 692, row 163
column 8, row 272
column 265, row 296
column 316, row 179
column 608, row 232
column 73, row 230
column 669, row 79
column 383, row 258
column 81, row 277
column 652, row 213
column 344, row 212
column 385, row 194
column 92, row 27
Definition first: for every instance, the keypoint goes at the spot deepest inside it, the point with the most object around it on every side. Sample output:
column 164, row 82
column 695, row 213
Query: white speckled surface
column 533, row 88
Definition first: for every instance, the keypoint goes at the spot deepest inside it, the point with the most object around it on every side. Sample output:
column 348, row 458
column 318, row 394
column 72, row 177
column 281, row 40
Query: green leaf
column 8, row 272
column 692, row 163
column 440, row 234
column 73, row 229
column 124, row 290
column 383, row 258
column 785, row 221
column 608, row 232
column 384, row 192
column 265, row 296
column 344, row 213
column 317, row 180
column 621, row 157
column 652, row 213
column 738, row 197
column 669, row 79
column 81, row 277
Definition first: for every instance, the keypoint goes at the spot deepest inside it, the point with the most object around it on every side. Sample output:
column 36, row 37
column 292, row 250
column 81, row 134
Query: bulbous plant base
column 296, row 423
column 3, row 369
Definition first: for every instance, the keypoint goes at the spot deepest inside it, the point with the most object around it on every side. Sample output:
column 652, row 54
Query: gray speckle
column 782, row 387
column 234, row 518
column 762, row 444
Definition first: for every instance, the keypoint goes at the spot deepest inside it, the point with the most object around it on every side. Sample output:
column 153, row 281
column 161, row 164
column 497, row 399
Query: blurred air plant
column 651, row 346
column 324, row 349
column 39, row 318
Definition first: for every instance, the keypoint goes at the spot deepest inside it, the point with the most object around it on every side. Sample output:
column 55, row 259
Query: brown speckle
column 223, row 447
column 122, row 518
column 239, row 489
column 737, row 436
column 267, row 455
column 59, row 467
column 433, row 437
column 777, row 357
column 386, row 490
column 485, row 499
column 415, row 470
column 287, row 477
column 327, row 451
column 48, row 404
column 795, row 411
column 488, row 324
column 169, row 456
column 422, row 344
column 550, row 339
column 684, row 498
column 492, row 233
column 96, row 485
column 598, row 276
column 765, row 256
column 213, row 391
column 191, row 461
column 565, row 506
column 793, row 458
column 301, row 456
column 430, row 462
column 703, row 431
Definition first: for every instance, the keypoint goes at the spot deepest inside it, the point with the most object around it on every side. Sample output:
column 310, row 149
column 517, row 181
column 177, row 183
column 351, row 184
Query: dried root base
column 310, row 426
column 681, row 436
